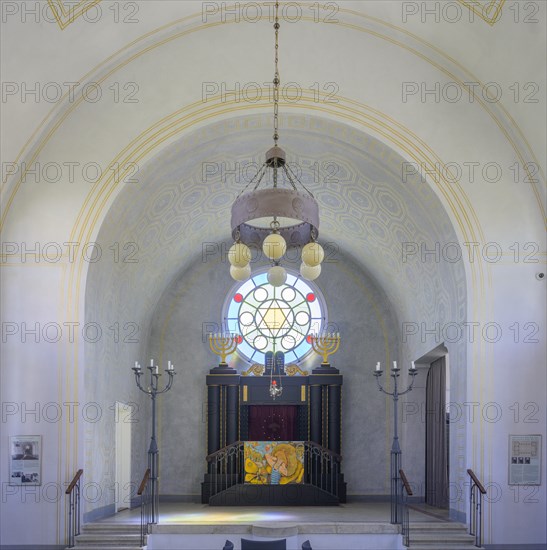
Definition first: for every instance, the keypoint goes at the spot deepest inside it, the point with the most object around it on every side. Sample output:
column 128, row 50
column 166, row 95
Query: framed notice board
column 525, row 460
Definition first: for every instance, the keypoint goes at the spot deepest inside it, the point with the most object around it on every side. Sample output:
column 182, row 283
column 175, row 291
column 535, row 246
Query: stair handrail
column 146, row 510
column 406, row 484
column 73, row 492
column 323, row 468
column 144, row 481
column 75, row 480
column 475, row 507
column 334, row 455
column 405, row 522
column 212, row 456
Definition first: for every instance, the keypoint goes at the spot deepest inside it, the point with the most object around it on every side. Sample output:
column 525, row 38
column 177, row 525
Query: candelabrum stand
column 224, row 345
column 325, row 345
column 396, row 515
column 153, row 453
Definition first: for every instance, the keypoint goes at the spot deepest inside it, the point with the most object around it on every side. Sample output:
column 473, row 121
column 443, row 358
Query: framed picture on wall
column 25, row 460
column 525, row 460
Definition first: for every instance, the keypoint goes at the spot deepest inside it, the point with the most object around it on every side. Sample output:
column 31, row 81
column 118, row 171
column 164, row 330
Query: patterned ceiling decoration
column 366, row 211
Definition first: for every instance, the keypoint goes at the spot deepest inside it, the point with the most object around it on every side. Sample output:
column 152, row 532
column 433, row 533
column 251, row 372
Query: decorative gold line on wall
column 487, row 10
column 66, row 14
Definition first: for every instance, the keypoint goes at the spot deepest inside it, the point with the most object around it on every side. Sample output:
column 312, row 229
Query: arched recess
column 408, row 131
column 177, row 217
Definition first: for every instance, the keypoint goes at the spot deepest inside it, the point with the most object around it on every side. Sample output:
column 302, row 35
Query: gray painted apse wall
column 367, row 325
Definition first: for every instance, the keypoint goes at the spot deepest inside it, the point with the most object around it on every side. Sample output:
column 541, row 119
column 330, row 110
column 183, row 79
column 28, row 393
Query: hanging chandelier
column 286, row 212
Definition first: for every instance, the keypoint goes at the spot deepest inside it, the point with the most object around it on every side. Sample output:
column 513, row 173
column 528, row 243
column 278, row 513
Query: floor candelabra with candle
column 396, row 492
column 153, row 453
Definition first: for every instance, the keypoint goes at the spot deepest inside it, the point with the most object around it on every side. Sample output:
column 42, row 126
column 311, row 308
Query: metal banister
column 144, row 481
column 405, row 521
column 74, row 481
column 73, row 492
column 226, row 468
column 146, row 508
column 475, row 507
column 336, row 456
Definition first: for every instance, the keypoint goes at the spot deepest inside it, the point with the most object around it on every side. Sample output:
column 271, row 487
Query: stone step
column 424, row 538
column 444, row 526
column 441, row 532
column 103, row 536
column 112, row 539
column 110, row 527
column 440, row 536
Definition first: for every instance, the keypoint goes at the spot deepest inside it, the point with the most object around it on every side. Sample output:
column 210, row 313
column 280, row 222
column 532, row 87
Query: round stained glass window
column 274, row 318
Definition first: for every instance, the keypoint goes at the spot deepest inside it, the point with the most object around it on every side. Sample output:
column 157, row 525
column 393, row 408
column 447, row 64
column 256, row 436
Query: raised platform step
column 438, row 526
column 101, row 536
column 426, row 538
column 113, row 539
column 273, row 495
column 277, row 529
column 128, row 528
column 440, row 536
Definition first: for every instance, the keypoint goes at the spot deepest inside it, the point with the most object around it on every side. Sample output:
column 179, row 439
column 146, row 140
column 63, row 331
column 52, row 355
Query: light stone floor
column 182, row 513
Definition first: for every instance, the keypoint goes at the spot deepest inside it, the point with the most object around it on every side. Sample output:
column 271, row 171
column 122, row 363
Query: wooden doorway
column 437, row 434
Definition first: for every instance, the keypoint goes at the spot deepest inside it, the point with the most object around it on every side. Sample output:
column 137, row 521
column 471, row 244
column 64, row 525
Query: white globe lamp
column 313, row 254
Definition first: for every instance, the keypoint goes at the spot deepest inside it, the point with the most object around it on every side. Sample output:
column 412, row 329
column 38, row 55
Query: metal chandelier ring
column 279, row 203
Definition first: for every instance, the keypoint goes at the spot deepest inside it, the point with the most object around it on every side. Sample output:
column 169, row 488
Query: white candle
column 413, row 366
column 137, row 365
column 394, row 364
column 170, row 366
column 378, row 366
column 151, row 362
column 156, row 369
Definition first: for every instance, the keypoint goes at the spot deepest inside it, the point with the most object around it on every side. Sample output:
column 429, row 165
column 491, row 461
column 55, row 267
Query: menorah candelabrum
column 153, row 453
column 396, row 490
column 326, row 345
column 223, row 345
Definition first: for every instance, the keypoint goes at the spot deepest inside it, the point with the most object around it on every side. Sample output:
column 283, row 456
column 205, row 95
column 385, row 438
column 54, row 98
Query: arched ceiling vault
column 179, row 213
column 372, row 58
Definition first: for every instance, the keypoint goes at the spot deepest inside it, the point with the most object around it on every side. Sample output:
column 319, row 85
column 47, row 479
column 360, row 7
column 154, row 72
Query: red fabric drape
column 272, row 422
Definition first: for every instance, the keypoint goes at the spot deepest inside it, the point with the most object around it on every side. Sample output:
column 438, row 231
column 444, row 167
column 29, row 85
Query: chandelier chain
column 276, row 80
column 289, row 204
column 288, row 170
column 256, row 178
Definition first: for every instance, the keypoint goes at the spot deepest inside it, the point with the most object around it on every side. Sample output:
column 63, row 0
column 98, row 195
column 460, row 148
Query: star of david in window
column 274, row 318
